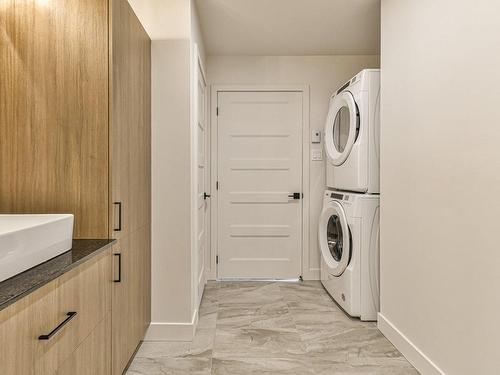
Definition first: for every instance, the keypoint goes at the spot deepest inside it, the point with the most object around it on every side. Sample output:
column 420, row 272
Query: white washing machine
column 352, row 135
column 349, row 242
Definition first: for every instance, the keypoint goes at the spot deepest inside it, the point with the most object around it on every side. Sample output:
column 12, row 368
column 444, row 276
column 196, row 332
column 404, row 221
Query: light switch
column 317, row 155
column 316, row 136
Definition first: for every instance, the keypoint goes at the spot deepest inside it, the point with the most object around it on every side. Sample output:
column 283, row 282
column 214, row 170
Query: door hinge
column 217, row 185
column 217, row 111
column 216, row 259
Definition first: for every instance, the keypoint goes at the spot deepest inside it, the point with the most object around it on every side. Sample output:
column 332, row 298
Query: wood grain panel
column 93, row 356
column 130, row 145
column 130, row 118
column 122, row 341
column 20, row 325
column 86, row 290
column 54, row 110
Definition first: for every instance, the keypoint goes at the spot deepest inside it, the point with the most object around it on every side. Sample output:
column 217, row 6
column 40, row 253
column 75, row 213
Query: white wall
column 440, row 183
column 171, row 179
column 164, row 19
column 324, row 74
column 174, row 29
column 196, row 34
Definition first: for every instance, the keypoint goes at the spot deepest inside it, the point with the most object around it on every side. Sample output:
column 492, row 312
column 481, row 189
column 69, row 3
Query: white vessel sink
column 28, row 240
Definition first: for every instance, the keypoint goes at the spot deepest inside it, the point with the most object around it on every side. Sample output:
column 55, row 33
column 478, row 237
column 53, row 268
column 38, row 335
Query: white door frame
column 214, row 149
column 197, row 68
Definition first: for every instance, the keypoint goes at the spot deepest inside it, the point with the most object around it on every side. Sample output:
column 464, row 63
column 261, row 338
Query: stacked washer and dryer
column 349, row 221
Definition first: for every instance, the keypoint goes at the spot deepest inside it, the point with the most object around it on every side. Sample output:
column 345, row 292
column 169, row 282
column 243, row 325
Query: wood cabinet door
column 93, row 356
column 121, row 120
column 20, row 326
column 131, row 296
column 130, row 120
column 141, row 281
column 123, row 306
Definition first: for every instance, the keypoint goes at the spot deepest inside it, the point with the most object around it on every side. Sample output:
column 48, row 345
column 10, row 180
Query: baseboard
column 165, row 331
column 311, row 274
column 413, row 354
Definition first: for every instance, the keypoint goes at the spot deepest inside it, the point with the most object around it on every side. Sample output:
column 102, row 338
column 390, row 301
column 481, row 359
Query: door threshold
column 225, row 279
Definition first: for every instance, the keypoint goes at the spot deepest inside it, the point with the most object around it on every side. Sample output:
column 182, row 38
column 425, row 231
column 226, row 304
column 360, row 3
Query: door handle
column 205, row 196
column 48, row 336
column 295, row 195
column 119, row 204
column 119, row 280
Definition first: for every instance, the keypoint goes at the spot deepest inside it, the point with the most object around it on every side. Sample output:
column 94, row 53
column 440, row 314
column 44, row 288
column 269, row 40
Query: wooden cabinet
column 86, row 291
column 75, row 137
column 130, row 176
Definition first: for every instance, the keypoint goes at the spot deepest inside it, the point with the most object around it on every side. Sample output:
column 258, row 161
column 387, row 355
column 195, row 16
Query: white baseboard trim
column 311, row 274
column 413, row 354
column 163, row 331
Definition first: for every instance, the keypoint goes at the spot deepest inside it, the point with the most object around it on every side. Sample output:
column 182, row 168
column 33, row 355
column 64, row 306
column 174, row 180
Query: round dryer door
column 342, row 127
column 334, row 238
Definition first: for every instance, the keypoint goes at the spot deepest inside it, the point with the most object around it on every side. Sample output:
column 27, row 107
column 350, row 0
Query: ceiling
column 290, row 27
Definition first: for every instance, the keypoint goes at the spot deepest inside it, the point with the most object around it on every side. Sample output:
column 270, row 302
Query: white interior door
column 259, row 169
column 202, row 179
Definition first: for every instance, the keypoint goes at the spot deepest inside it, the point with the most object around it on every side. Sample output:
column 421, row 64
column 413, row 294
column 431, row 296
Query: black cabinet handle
column 119, row 255
column 69, row 315
column 294, row 196
column 119, row 204
column 205, row 196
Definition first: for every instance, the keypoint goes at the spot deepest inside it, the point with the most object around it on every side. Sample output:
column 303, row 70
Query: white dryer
column 349, row 242
column 352, row 135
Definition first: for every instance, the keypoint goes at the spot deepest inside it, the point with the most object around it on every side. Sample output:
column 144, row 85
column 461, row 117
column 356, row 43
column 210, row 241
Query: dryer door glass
column 335, row 237
column 341, row 129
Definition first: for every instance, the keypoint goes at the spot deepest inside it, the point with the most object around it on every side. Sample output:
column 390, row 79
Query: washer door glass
column 334, row 237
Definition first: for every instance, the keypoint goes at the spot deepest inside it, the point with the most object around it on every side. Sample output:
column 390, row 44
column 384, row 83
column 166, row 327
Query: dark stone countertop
column 19, row 286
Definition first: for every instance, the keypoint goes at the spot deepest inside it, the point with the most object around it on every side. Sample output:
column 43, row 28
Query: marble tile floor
column 273, row 328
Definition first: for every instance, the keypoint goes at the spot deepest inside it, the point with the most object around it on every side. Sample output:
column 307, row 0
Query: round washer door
column 342, row 127
column 334, row 238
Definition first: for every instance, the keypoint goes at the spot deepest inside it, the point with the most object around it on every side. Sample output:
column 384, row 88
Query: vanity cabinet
column 75, row 136
column 62, row 327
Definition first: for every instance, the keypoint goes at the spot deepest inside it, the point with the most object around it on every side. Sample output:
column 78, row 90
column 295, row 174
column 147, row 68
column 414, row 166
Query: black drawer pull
column 119, row 255
column 70, row 315
column 119, row 204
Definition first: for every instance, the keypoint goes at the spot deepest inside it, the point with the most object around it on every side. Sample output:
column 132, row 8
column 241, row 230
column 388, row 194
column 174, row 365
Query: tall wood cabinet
column 130, row 175
column 75, row 133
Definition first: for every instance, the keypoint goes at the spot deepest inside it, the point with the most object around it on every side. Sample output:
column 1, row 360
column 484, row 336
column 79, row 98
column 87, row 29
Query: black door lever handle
column 205, row 195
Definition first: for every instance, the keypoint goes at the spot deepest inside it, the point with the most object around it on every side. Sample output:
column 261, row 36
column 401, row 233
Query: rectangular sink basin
column 28, row 240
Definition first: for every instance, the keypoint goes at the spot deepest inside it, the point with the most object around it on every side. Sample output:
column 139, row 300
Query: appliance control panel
column 338, row 196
